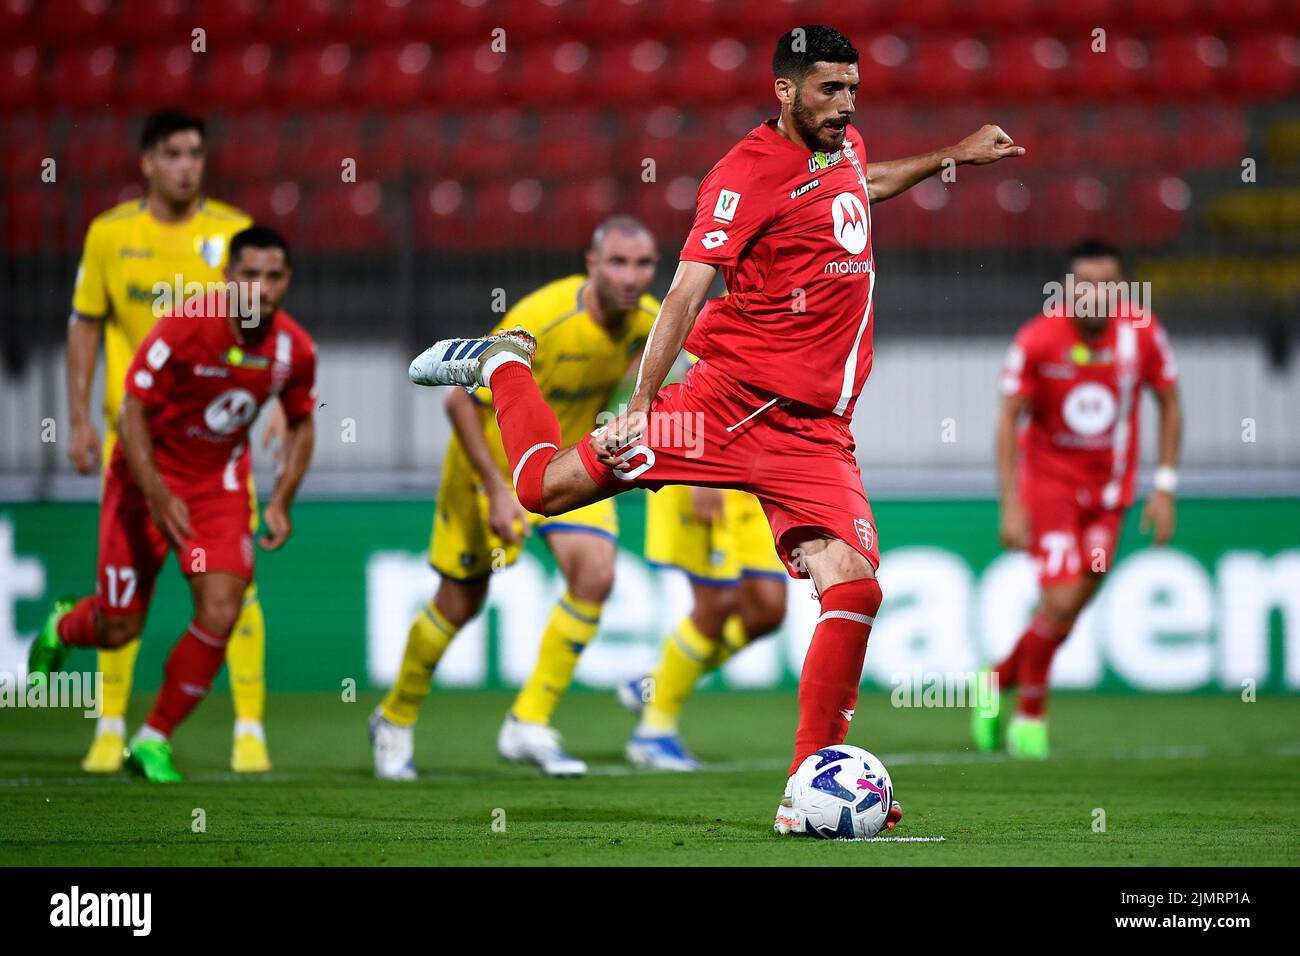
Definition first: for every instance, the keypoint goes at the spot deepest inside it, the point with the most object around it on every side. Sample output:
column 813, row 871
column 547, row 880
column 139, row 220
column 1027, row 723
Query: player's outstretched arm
column 891, row 177
column 168, row 512
column 676, row 317
column 300, row 438
column 1158, row 514
column 84, row 334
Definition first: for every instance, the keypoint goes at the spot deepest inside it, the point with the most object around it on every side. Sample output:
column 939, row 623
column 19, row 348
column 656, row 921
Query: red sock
column 530, row 431
column 190, row 671
column 77, row 627
column 1036, row 648
column 832, row 669
column 1008, row 672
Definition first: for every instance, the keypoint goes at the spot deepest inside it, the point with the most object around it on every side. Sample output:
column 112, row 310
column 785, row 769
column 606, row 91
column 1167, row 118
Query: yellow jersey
column 127, row 253
column 578, row 364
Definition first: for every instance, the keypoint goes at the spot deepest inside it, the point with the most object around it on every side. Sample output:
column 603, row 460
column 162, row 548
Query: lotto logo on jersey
column 725, row 209
column 711, row 240
column 850, row 220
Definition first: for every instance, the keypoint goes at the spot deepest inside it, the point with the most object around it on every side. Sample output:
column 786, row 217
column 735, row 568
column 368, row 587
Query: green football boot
column 1027, row 738
column 152, row 759
column 986, row 716
column 48, row 653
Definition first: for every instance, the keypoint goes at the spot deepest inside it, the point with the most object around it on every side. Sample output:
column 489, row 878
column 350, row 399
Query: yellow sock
column 117, row 666
column 734, row 639
column 688, row 655
column 572, row 625
column 246, row 659
column 426, row 642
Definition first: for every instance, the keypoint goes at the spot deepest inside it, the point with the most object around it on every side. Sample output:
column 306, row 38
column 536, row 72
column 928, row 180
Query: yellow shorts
column 463, row 546
column 710, row 553
column 106, row 454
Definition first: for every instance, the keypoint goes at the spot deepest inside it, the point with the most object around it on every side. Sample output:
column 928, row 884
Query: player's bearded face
column 819, row 116
column 261, row 279
column 174, row 167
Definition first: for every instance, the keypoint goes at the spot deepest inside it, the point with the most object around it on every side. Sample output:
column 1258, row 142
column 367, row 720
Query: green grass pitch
column 1198, row 780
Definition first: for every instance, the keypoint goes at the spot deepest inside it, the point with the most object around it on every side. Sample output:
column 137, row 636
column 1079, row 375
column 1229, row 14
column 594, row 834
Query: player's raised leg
column 586, row 559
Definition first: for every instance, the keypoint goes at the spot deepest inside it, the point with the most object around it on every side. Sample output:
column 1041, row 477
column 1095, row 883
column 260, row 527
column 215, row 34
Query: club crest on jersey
column 820, row 160
column 850, row 219
column 725, row 210
column 212, row 249
column 866, row 533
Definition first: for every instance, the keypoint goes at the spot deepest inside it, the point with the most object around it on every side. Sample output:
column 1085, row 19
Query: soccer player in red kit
column 178, row 480
column 1075, row 375
column 783, row 356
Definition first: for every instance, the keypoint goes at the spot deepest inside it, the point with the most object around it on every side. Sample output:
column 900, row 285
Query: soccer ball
column 844, row 793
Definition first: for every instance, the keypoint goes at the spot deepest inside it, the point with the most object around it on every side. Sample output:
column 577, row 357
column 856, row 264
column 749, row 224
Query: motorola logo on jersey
column 230, row 411
column 1089, row 409
column 850, row 219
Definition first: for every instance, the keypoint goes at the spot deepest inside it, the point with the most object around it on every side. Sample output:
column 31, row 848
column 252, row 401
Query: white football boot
column 393, row 747
column 788, row 819
column 522, row 741
column 465, row 362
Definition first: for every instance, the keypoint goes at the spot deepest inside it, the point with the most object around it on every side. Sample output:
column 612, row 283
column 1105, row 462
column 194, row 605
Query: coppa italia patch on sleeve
column 726, row 207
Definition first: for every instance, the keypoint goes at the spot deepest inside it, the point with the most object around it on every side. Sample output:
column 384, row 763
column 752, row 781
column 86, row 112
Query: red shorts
column 132, row 549
column 798, row 461
column 1068, row 538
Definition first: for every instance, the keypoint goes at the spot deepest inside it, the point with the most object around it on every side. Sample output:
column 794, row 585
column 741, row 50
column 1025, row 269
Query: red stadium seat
column 315, row 75
column 473, row 74
column 886, row 68
column 248, row 148
column 686, row 18
column 230, row 20
column 1209, row 137
column 441, row 214
column 414, row 142
column 572, row 144
column 1267, row 65
column 396, row 76
column 1040, row 64
column 552, row 72
column 298, row 20
column 1190, row 65
column 1076, row 207
column 510, row 214
column 26, row 144
column 487, row 146
column 18, row 21
column 101, row 149
column 136, row 21
column 634, row 73
column 277, row 204
column 1239, row 14
column 1157, row 208
column 541, row 19
column 952, row 67
column 35, row 220
column 238, row 77
column 1122, row 69
column 322, row 143
column 345, row 217
column 715, row 70
column 20, row 77
column 61, row 21
column 579, row 208
column 160, row 76
column 377, row 20
column 85, row 77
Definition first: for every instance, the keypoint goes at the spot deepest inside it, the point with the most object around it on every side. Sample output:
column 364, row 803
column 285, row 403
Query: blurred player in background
column 1074, row 376
column 178, row 480
column 589, row 329
column 783, row 358
column 173, row 235
column 720, row 539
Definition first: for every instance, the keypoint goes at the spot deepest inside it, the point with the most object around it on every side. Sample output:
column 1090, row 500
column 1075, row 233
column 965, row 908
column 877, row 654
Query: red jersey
column 1084, row 394
column 791, row 231
column 202, row 389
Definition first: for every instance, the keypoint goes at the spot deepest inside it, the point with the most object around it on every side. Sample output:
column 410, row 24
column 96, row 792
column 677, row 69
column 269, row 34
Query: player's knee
column 593, row 581
column 459, row 601
column 765, row 615
column 1061, row 605
column 217, row 615
column 118, row 631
